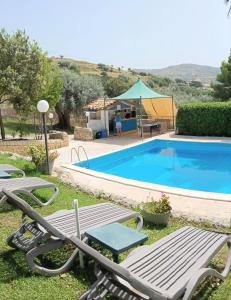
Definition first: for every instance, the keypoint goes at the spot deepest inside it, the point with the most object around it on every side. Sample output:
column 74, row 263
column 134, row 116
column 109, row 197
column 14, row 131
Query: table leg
column 87, row 259
column 115, row 258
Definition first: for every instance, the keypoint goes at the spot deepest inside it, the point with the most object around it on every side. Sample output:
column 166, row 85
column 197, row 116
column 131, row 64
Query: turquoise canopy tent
column 138, row 92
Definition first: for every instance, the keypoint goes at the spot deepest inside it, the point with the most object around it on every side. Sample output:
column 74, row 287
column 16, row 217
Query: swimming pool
column 187, row 165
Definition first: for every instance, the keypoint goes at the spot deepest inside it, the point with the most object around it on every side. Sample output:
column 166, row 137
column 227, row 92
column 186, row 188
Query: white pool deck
column 195, row 205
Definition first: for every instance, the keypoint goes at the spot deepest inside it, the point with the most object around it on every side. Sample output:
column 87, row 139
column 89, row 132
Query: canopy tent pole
column 173, row 116
column 141, row 123
column 104, row 111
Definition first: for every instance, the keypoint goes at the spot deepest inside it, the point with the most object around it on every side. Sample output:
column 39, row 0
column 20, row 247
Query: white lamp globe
column 51, row 116
column 43, row 106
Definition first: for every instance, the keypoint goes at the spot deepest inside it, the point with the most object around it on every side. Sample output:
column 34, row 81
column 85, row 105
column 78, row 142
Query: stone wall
column 56, row 135
column 83, row 134
column 21, row 146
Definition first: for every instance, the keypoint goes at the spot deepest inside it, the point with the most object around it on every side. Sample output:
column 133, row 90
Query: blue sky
column 129, row 33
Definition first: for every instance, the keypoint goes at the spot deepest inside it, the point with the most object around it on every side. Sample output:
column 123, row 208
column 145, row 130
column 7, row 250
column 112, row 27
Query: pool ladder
column 77, row 151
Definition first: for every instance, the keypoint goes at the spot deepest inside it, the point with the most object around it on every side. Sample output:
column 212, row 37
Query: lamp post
column 43, row 107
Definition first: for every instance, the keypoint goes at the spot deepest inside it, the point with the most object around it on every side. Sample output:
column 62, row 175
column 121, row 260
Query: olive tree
column 26, row 74
column 115, row 86
column 77, row 91
column 222, row 90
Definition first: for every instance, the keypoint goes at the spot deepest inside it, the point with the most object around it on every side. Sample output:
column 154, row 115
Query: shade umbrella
column 139, row 92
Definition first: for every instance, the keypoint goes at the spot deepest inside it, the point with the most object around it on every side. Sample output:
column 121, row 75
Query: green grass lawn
column 13, row 127
column 17, row 281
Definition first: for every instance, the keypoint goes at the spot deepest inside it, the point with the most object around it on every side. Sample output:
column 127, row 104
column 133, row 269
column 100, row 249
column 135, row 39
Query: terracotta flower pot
column 158, row 219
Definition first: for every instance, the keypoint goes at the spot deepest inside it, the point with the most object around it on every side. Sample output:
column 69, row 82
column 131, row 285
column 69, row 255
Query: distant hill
column 186, row 72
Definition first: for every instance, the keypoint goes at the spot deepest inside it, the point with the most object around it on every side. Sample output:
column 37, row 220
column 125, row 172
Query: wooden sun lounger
column 27, row 185
column 54, row 231
column 11, row 169
column 168, row 269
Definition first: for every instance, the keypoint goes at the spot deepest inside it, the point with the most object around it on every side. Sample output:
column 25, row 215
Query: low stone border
column 21, row 146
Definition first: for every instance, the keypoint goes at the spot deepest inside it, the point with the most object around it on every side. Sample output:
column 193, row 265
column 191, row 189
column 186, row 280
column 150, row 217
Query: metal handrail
column 81, row 147
column 77, row 151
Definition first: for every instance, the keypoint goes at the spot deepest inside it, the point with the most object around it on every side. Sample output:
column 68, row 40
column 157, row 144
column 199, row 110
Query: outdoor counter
column 129, row 124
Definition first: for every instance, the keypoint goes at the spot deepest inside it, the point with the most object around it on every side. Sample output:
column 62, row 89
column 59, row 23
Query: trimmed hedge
column 204, row 119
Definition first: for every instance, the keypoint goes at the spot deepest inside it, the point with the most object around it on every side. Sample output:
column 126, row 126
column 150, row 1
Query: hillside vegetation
column 181, row 90
column 188, row 72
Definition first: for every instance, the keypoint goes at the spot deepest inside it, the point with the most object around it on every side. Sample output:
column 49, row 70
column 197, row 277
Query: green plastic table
column 4, row 175
column 116, row 237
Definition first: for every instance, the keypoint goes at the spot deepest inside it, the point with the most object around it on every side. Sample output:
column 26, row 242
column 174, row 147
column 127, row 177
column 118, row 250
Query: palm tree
column 228, row 2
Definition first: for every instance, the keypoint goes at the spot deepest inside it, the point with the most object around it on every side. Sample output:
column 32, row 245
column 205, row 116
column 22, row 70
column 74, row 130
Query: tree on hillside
column 116, row 86
column 159, row 81
column 67, row 64
column 222, row 90
column 77, row 91
column 180, row 81
column 26, row 74
column 196, row 83
column 103, row 67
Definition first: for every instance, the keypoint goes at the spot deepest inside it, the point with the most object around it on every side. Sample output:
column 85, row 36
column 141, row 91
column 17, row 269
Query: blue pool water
column 187, row 165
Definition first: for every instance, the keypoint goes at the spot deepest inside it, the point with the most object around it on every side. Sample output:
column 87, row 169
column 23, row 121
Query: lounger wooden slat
column 27, row 185
column 177, row 257
column 96, row 216
column 172, row 267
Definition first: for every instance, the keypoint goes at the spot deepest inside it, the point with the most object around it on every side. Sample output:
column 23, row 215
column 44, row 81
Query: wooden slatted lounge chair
column 172, row 267
column 54, row 231
column 11, row 169
column 27, row 185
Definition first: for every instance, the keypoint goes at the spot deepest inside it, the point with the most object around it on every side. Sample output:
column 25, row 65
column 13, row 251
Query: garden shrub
column 161, row 206
column 38, row 154
column 204, row 119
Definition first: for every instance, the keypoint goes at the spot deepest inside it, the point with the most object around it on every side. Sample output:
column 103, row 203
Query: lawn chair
column 172, row 267
column 54, row 231
column 26, row 186
column 11, row 169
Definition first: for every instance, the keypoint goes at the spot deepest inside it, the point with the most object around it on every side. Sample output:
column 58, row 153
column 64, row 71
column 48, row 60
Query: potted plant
column 157, row 211
column 38, row 157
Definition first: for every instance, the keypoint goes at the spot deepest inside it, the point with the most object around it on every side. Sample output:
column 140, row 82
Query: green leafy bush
column 204, row 119
column 38, row 154
column 157, row 207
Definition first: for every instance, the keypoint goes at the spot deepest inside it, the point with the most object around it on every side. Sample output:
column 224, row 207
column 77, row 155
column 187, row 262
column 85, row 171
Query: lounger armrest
column 31, row 213
column 197, row 279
